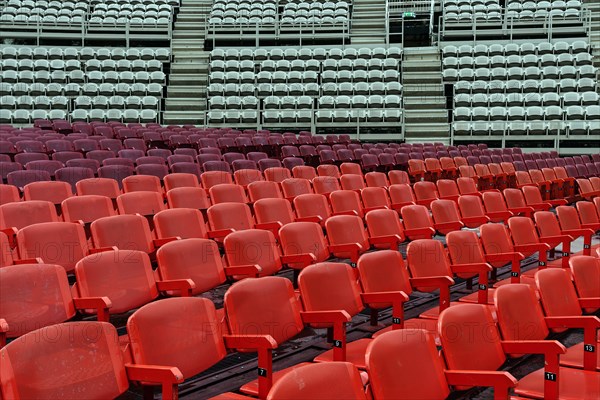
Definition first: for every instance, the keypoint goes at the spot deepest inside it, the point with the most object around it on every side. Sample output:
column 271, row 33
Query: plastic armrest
column 420, row 231
column 589, row 302
column 353, row 248
column 103, row 249
column 3, row 331
column 477, row 220
column 578, row 232
column 504, row 257
column 590, row 325
column 270, row 226
column 251, row 270
column 367, row 209
column 449, row 225
column 338, row 319
column 100, row 304
column 397, row 299
column 441, row 282
column 12, row 231
column 305, row 259
column 348, row 212
column 501, row 381
column 541, row 206
column 163, row 241
column 482, row 270
column 167, row 377
column 565, row 239
column 313, row 218
column 255, row 342
column 221, row 233
column 36, row 260
column 500, row 214
column 392, row 240
column 524, row 210
column 592, row 226
column 184, row 286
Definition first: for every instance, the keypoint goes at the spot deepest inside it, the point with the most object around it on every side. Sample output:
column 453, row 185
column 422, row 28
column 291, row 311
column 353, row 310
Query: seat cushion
column 355, row 353
column 430, row 325
column 434, row 313
column 574, row 357
column 251, row 388
column 473, row 297
column 574, row 384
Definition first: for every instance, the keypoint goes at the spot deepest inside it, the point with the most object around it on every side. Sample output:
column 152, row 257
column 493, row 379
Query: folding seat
column 570, row 225
column 350, row 168
column 516, row 200
column 425, row 192
column 263, row 189
column 446, row 216
column 533, row 198
column 227, row 193
column 325, row 185
column 72, row 344
column 176, row 180
column 312, row 208
column 212, row 178
column 585, row 188
column 401, row 195
column 87, row 208
column 447, row 189
column 136, row 183
column 144, row 203
column 398, row 177
column 188, row 197
column 469, row 315
column 54, row 192
column 98, row 186
column 589, row 216
column 125, row 232
column 417, row 221
column 226, row 218
column 352, row 182
column 44, row 165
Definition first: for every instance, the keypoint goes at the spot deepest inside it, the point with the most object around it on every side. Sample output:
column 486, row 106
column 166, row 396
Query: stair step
column 188, row 91
column 185, row 104
column 428, row 115
column 183, row 117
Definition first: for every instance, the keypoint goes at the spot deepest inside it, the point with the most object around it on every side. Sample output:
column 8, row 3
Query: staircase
column 594, row 7
column 425, row 114
column 186, row 93
column 368, row 22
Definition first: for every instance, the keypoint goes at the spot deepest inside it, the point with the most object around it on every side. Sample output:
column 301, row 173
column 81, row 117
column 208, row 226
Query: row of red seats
column 330, row 295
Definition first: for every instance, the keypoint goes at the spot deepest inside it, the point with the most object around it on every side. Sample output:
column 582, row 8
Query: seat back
column 263, row 190
column 316, row 383
column 265, row 306
column 312, row 205
column 9, row 194
column 211, row 178
column 34, row 296
column 27, row 375
column 375, row 197
column 277, row 174
column 190, row 322
column 384, row 223
column 295, row 186
column 522, row 230
column 587, row 213
column 54, row 191
column 468, row 329
column 569, row 217
column 383, row 271
column 246, row 176
column 352, row 182
column 227, row 193
column 126, row 232
column 325, row 184
column 236, row 216
column 398, row 177
column 124, row 276
column 471, row 207
column 188, row 197
column 425, row 191
column 464, row 247
column 350, row 168
column 416, row 217
column 532, row 195
column 496, row 240
column 195, row 259
column 401, row 194
column 547, row 224
column 302, row 238
column 426, row 258
column 376, row 179
column 494, row 202
column 25, row 213
column 61, row 243
column 514, row 198
column 144, row 203
column 344, row 201
column 467, row 186
column 586, row 273
column 146, row 183
column 557, row 293
column 345, row 229
column 273, row 210
column 176, row 180
column 99, row 186
column 253, row 247
column 447, row 188
column 520, row 315
column 304, row 172
column 398, row 363
column 330, row 286
column 182, row 222
column 87, row 208
column 328, row 170
column 446, row 212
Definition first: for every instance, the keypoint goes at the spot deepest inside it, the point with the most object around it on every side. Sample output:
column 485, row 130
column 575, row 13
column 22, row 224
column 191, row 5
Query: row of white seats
column 527, row 128
column 535, row 113
column 75, row 89
column 81, row 77
column 303, row 116
column 293, row 77
column 495, row 16
column 309, row 89
column 305, row 102
column 290, row 54
column 62, row 102
column 27, row 116
column 515, row 60
column 526, row 86
column 520, row 5
column 528, row 99
column 88, row 65
column 518, row 73
column 575, row 47
column 359, row 64
column 84, row 53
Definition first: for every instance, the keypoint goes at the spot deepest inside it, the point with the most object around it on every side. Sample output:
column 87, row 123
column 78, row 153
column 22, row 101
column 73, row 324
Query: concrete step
column 423, row 131
column 424, row 77
column 427, row 115
column 185, row 104
column 189, row 91
column 425, row 103
column 421, row 66
column 195, row 34
column 188, row 68
column 187, row 79
column 422, row 89
column 183, row 117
